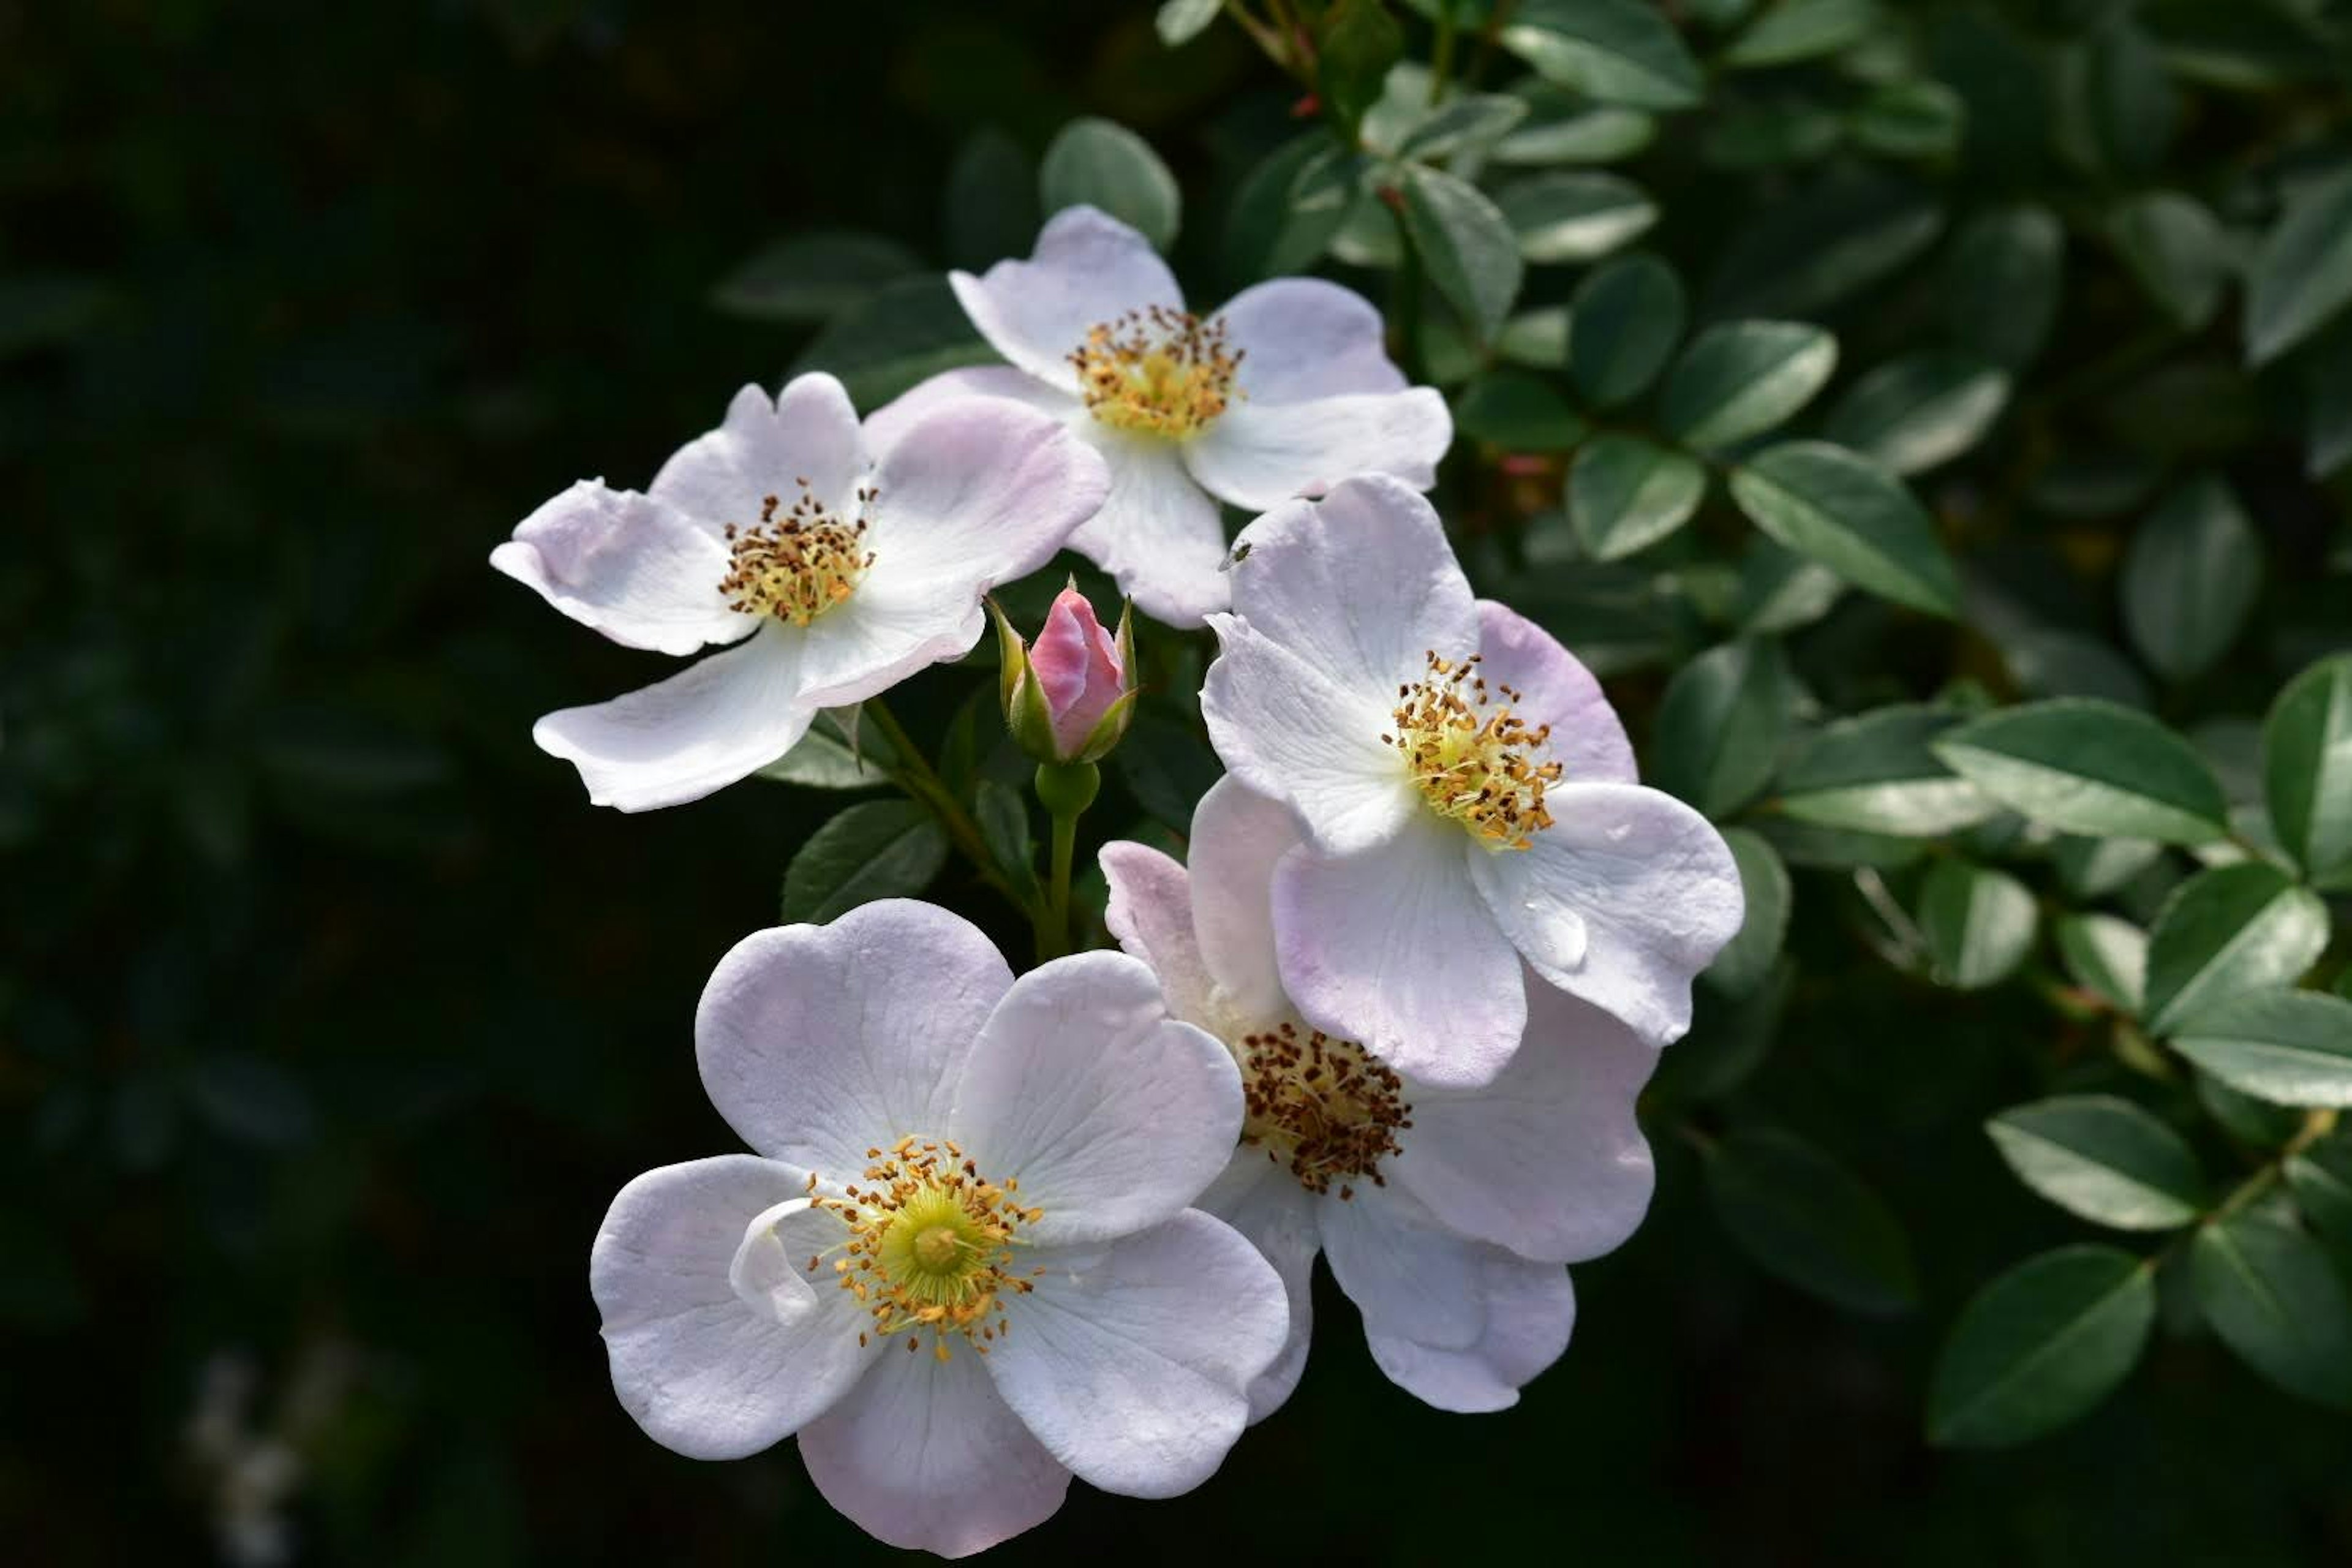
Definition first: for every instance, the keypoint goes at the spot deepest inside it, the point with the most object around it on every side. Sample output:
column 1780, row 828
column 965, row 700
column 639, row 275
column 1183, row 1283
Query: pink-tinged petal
column 926, row 1455
column 891, row 628
column 1407, row 1273
column 768, row 446
column 1112, row 1115
column 1077, row 666
column 1547, row 1159
column 640, row 571
column 680, row 739
column 702, row 1370
column 1158, row 534
column 1238, row 837
column 1653, row 890
column 1288, row 731
column 889, row 425
column 1260, row 1198
column 1530, row 1313
column 1302, row 339
column 1361, row 585
column 1261, row 455
column 1130, row 1360
column 1393, row 949
column 978, row 493
column 1587, row 737
column 819, row 1042
column 1088, row 270
column 1150, row 917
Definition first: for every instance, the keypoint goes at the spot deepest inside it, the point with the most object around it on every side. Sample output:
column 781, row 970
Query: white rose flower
column 1446, row 1213
column 1285, row 391
column 961, row 1265
column 833, row 577
column 1467, row 794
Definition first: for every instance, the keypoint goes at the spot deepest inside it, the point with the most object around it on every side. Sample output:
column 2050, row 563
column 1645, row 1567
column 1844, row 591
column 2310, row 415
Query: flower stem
column 1441, row 63
column 1066, row 790
column 916, row 775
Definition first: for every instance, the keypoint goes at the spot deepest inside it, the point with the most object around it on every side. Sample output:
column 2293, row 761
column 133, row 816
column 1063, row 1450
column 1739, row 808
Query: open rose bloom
column 1285, row 391
column 963, row 1265
column 1446, row 1213
column 1466, row 797
column 827, row 577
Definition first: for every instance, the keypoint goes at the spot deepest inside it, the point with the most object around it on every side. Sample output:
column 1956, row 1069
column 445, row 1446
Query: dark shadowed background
column 331, row 1015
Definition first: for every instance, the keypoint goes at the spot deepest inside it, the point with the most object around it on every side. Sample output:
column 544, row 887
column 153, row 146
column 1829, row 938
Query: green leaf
column 1625, row 494
column 2256, row 1124
column 1518, row 412
column 2320, row 1177
column 1574, row 216
column 1877, row 773
column 2094, row 867
column 812, row 276
column 1289, row 207
column 2177, row 249
column 1780, row 590
column 905, row 331
column 1747, row 960
column 1562, row 126
column 2273, row 1298
column 1537, row 338
column 1803, row 1217
column 2307, row 771
column 1804, row 253
column 1793, row 30
column 1180, row 22
column 2102, row 1159
column 2048, row 662
column 2328, row 402
column 2106, row 956
column 1167, row 767
column 1979, row 923
column 1852, row 515
column 2189, row 578
column 1464, row 122
column 1612, row 52
column 2001, row 283
column 2134, row 111
column 828, row 758
column 2039, row 1346
column 2289, row 1047
column 1094, row 162
column 1910, row 120
column 1721, row 725
column 989, row 207
column 2302, row 274
column 1920, row 412
column 1003, row 817
column 2234, row 928
column 1624, row 322
column 1740, row 379
column 2081, row 765
column 1358, row 43
column 1466, row 244
column 879, row 849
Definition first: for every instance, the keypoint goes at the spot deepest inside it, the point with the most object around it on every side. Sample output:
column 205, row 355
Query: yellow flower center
column 929, row 1246
column 1157, row 372
column 1471, row 757
column 797, row 564
column 1320, row 1106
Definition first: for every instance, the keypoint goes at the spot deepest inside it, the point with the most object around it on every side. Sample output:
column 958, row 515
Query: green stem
column 1066, row 846
column 1440, row 60
column 916, row 775
column 1405, row 301
column 1065, row 790
column 1496, row 20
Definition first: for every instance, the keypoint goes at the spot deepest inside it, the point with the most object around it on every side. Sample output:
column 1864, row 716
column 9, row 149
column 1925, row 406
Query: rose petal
column 1129, row 1360
column 1088, row 270
column 926, row 1455
column 1238, row 836
column 1652, row 890
column 819, row 1042
column 889, row 425
column 696, row 1367
column 1303, row 338
column 1260, row 1198
column 1586, row 738
column 1392, row 948
column 1259, row 455
column 1157, row 533
column 1111, row 1115
column 680, row 739
column 1531, row 1310
column 642, row 573
column 768, row 446
column 1150, row 917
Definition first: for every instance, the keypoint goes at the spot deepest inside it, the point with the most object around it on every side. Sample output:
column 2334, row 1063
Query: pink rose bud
column 1078, row 667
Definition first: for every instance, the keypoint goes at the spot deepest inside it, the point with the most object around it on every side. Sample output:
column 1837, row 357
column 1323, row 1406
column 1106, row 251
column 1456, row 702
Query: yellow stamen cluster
column 797, row 564
column 930, row 1245
column 1320, row 1106
column 1471, row 758
column 1157, row 372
